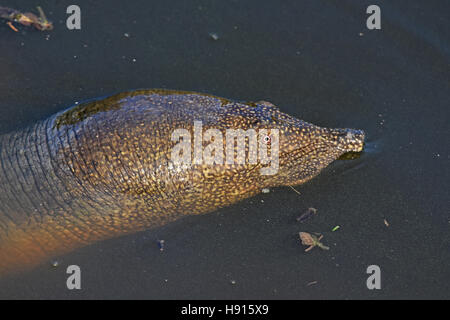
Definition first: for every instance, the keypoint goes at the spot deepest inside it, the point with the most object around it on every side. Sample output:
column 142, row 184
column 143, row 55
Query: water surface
column 314, row 59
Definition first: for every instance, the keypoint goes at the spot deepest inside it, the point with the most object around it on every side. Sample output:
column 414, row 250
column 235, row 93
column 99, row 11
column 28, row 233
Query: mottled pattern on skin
column 103, row 169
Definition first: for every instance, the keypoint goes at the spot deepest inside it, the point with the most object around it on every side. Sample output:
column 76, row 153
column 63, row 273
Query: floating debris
column 9, row 23
column 265, row 190
column 311, row 241
column 294, row 189
column 233, row 282
column 308, row 214
column 55, row 263
column 335, row 228
column 214, row 36
column 386, row 223
column 161, row 245
column 26, row 19
column 311, row 283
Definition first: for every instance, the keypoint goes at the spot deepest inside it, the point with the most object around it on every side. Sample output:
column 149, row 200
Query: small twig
column 311, row 283
column 294, row 189
column 44, row 24
column 41, row 14
column 12, row 26
column 307, row 214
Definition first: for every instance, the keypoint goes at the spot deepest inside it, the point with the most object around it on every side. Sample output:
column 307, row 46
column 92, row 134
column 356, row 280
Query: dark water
column 307, row 57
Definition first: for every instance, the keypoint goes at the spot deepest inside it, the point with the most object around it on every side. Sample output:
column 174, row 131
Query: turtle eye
column 267, row 139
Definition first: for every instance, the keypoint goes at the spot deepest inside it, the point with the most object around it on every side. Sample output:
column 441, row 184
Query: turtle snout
column 349, row 140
